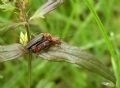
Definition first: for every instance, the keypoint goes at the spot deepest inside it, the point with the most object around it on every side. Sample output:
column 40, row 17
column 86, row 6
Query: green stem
column 23, row 10
column 29, row 56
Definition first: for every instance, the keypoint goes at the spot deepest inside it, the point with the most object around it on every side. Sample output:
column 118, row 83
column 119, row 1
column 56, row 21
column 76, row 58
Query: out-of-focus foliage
column 74, row 24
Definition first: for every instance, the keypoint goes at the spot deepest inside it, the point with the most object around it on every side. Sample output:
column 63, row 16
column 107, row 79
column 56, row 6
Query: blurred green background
column 74, row 24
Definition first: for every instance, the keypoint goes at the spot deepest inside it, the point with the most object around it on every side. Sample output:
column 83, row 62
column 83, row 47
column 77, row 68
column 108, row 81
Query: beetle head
column 47, row 36
column 55, row 40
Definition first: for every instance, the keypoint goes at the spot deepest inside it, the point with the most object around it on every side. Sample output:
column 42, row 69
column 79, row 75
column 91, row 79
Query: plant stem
column 30, row 54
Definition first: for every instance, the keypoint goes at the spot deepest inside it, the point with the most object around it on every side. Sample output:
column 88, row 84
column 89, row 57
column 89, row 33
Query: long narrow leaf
column 77, row 56
column 46, row 8
column 11, row 52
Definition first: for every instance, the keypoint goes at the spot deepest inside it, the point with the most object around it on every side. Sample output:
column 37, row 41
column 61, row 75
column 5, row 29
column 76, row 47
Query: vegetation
column 92, row 25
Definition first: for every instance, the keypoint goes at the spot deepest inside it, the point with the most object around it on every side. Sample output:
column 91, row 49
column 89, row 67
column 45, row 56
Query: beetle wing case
column 38, row 38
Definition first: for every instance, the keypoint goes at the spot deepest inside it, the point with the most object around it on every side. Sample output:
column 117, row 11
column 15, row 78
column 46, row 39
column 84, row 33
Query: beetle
column 38, row 40
column 45, row 45
column 42, row 41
